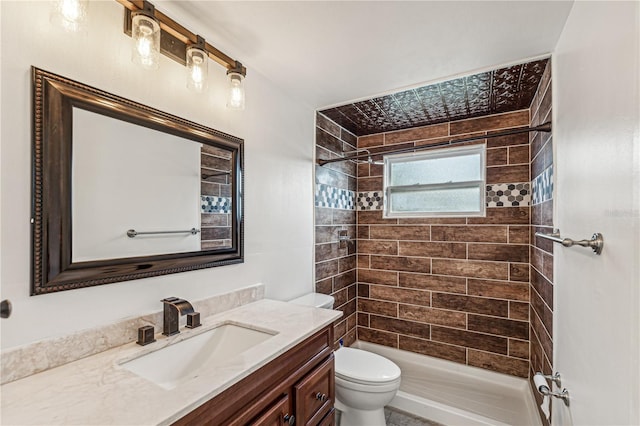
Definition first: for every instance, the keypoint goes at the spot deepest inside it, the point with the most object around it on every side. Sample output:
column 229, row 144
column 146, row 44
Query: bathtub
column 455, row 394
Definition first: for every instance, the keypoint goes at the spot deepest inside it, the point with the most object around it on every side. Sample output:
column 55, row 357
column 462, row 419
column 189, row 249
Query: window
column 442, row 182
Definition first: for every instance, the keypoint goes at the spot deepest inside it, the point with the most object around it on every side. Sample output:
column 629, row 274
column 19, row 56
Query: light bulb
column 70, row 10
column 70, row 14
column 196, row 76
column 146, row 41
column 197, row 69
column 143, row 46
column 236, row 99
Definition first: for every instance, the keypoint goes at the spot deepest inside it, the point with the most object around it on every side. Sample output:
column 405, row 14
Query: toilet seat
column 365, row 368
column 369, row 388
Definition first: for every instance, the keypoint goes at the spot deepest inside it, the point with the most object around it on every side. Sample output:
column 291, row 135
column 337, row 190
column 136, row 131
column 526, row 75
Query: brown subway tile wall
column 417, row 134
column 433, row 316
column 541, row 307
column 453, row 288
column 501, row 364
column 427, row 347
column 491, row 122
column 431, row 282
column 541, row 254
column 335, row 262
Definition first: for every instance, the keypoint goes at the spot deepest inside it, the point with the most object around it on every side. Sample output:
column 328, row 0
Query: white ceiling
column 332, row 52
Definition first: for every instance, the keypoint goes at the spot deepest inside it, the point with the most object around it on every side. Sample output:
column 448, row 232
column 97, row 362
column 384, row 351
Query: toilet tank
column 317, row 300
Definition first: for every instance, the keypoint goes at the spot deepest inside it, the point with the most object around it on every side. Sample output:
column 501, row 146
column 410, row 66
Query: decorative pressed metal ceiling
column 492, row 92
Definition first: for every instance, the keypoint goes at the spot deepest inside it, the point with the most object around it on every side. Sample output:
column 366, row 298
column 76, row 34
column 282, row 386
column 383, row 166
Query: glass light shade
column 145, row 33
column 70, row 14
column 197, row 69
column 235, row 98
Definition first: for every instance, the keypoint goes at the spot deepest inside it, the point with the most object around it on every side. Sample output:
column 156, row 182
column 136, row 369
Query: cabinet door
column 314, row 395
column 276, row 415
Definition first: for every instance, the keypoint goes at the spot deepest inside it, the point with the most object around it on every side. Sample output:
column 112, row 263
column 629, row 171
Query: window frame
column 448, row 152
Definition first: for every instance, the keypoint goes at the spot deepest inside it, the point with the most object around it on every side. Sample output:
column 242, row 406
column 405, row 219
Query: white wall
column 278, row 135
column 597, row 167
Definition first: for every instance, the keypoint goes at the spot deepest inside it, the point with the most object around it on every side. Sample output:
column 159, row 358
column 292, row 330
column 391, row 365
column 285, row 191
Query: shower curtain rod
column 545, row 127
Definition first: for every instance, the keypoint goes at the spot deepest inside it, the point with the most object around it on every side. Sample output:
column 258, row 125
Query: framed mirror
column 122, row 191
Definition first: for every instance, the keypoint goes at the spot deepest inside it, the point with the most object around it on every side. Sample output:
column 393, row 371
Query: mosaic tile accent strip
column 335, row 198
column 508, row 195
column 542, row 186
column 212, row 204
column 369, row 200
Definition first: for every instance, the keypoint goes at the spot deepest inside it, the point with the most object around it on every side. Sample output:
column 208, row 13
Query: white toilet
column 365, row 382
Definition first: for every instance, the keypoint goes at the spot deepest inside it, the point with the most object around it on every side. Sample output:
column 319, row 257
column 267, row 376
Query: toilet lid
column 364, row 367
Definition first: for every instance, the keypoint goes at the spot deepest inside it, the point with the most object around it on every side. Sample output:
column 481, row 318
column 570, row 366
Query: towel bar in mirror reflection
column 132, row 233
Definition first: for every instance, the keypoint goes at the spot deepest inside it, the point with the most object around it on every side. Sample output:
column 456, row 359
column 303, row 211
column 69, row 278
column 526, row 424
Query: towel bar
column 132, row 233
column 596, row 242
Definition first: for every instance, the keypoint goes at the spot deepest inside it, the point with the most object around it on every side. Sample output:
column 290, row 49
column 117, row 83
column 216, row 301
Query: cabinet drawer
column 329, row 419
column 314, row 395
column 276, row 415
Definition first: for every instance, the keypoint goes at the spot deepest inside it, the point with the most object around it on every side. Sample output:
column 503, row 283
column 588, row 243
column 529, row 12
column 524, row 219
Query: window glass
column 442, row 182
column 437, row 200
column 458, row 168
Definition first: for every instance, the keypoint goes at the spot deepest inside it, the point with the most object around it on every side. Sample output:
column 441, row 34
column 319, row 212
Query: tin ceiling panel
column 502, row 90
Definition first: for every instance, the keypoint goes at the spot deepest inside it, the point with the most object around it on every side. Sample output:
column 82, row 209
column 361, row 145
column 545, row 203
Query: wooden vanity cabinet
column 297, row 388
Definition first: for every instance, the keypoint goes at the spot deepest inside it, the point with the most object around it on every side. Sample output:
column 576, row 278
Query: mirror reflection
column 216, row 200
column 137, row 191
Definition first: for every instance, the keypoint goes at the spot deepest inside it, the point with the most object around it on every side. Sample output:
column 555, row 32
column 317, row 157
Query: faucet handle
column 170, row 299
column 193, row 320
column 145, row 335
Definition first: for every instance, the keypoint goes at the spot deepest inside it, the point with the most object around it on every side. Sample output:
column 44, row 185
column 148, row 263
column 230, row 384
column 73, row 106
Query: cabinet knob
column 321, row 397
column 289, row 419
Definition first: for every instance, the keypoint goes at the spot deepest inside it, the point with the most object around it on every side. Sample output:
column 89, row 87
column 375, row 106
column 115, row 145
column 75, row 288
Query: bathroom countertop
column 97, row 390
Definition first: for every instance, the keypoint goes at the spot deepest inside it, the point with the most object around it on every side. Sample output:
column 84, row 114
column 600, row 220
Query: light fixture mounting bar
column 175, row 38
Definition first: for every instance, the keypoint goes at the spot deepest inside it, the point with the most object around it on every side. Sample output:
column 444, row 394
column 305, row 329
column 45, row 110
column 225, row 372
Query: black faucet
column 173, row 309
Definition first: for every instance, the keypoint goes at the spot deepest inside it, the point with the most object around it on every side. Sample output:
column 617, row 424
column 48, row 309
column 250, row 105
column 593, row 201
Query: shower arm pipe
column 545, row 127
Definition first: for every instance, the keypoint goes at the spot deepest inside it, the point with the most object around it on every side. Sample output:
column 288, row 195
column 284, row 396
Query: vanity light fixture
column 71, row 14
column 235, row 97
column 187, row 48
column 197, row 66
column 145, row 32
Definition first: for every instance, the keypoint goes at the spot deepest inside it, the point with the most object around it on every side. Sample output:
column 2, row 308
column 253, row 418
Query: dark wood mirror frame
column 54, row 98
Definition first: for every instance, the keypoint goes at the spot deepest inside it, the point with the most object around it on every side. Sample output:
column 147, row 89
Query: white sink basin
column 180, row 362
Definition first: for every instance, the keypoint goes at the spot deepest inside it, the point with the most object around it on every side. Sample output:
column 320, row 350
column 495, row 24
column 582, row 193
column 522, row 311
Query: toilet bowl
column 365, row 382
